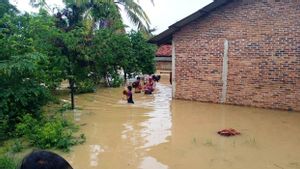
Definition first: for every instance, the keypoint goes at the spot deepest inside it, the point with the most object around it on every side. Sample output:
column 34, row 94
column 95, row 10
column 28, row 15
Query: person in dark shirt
column 129, row 95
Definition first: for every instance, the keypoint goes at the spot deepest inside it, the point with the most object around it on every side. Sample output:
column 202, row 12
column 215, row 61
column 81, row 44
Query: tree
column 46, row 36
column 22, row 89
column 32, row 62
column 111, row 52
column 13, row 36
column 6, row 8
column 22, row 34
column 99, row 13
column 143, row 52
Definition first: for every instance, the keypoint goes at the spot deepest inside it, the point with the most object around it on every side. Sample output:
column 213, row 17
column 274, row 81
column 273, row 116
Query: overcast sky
column 163, row 14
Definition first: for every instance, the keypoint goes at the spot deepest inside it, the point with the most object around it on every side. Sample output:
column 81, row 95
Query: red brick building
column 164, row 59
column 243, row 52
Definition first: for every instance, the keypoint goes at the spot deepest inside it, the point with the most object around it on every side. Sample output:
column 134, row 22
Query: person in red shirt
column 137, row 85
column 149, row 87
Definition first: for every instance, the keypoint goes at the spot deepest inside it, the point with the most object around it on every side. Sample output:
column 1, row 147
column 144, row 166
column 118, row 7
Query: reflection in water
column 158, row 127
column 152, row 163
column 152, row 134
column 77, row 115
column 95, row 150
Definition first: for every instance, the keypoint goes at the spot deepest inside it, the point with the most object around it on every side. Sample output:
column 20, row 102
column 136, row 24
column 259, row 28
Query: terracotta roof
column 166, row 36
column 164, row 51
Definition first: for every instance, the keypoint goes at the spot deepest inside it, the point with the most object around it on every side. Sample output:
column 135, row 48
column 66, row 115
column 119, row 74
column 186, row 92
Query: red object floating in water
column 228, row 132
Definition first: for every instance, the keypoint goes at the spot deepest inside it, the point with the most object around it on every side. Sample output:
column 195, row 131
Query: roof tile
column 164, row 51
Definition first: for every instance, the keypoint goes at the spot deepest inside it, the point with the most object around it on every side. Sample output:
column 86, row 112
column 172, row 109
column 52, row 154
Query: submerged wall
column 263, row 51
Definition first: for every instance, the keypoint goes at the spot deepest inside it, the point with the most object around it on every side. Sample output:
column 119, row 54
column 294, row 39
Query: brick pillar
column 173, row 69
column 225, row 72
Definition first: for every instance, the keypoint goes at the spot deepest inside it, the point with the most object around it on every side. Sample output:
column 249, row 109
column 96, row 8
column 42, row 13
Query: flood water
column 160, row 133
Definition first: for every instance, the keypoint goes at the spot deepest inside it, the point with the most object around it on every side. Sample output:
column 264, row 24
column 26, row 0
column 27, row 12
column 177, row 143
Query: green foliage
column 65, row 107
column 39, row 51
column 117, row 81
column 143, row 52
column 24, row 34
column 21, row 88
column 85, row 86
column 105, row 14
column 3, row 127
column 14, row 39
column 47, row 40
column 6, row 8
column 48, row 132
column 7, row 163
column 17, row 146
column 112, row 52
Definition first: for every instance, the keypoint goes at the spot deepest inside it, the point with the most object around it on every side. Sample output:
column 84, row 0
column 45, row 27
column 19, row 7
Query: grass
column 208, row 142
column 251, row 141
column 8, row 162
column 194, row 141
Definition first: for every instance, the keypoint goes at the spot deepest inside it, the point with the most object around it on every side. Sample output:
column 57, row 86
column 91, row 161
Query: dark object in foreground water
column 228, row 132
column 44, row 160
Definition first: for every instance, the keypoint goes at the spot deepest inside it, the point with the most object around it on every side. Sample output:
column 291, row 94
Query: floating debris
column 228, row 132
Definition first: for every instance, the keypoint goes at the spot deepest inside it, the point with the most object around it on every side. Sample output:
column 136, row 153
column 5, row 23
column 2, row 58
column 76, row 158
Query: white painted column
column 225, row 72
column 173, row 69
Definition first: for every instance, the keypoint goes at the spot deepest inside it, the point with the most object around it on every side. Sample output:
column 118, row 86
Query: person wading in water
column 129, row 95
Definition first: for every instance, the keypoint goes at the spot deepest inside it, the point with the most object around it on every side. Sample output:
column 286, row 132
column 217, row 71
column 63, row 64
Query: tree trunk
column 72, row 91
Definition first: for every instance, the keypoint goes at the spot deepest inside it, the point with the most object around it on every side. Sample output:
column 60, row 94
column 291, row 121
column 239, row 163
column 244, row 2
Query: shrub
column 21, row 91
column 3, row 127
column 117, row 81
column 53, row 132
column 85, row 86
column 17, row 146
column 7, row 163
column 64, row 107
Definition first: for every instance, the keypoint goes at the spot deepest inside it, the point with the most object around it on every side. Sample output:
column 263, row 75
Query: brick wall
column 264, row 55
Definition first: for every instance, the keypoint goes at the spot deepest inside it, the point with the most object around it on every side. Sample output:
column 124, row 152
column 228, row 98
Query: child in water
column 129, row 95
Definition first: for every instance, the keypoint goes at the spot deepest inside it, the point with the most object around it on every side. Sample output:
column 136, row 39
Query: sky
column 162, row 14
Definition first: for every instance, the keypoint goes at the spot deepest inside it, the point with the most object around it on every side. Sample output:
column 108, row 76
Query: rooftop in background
column 164, row 51
column 166, row 36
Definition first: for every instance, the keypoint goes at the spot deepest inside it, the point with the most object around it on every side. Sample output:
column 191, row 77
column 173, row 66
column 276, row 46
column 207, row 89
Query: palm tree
column 96, row 11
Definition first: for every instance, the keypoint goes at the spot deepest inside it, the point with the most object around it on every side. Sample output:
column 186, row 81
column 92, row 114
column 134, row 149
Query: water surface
column 158, row 133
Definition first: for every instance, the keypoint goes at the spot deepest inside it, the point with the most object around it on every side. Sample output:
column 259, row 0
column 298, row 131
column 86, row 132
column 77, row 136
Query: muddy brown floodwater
column 160, row 133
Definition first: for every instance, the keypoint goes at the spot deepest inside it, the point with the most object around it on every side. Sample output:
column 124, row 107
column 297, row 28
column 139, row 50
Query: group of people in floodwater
column 146, row 84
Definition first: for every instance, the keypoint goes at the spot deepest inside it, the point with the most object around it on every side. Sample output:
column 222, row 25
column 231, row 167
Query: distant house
column 242, row 52
column 164, row 59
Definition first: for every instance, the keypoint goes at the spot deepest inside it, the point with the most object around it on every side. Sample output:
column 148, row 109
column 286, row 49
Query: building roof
column 166, row 36
column 164, row 51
